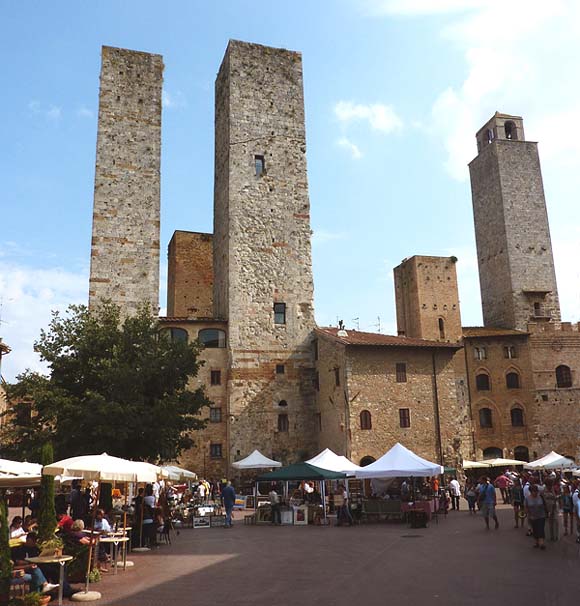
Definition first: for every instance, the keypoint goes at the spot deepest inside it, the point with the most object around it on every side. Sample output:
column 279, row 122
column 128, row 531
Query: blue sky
column 394, row 89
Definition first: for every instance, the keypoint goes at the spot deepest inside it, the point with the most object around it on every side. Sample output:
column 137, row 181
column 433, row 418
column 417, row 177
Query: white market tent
column 551, row 461
column 16, row 468
column 475, row 464
column 178, row 474
column 256, row 460
column 329, row 460
column 400, row 462
column 499, row 462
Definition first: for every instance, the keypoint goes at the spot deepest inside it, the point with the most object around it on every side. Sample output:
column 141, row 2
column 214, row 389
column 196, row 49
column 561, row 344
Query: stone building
column 126, row 209
column 277, row 381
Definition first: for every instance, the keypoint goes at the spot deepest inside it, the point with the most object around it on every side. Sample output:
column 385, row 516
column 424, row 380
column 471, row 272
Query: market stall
column 552, row 460
column 304, row 508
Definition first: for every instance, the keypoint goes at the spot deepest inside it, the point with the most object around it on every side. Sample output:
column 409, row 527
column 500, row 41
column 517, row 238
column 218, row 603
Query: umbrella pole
column 93, row 539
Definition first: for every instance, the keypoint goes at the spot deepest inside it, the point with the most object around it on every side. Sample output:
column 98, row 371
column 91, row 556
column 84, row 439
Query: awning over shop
column 300, row 471
column 400, row 462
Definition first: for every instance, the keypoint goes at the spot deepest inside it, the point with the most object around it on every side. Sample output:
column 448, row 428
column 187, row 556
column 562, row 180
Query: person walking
column 551, row 500
column 275, row 506
column 229, row 497
column 537, row 512
column 471, row 495
column 455, row 490
column 518, row 502
column 487, row 500
column 567, row 509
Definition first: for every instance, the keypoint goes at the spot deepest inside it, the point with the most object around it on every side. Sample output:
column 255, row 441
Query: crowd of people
column 537, row 499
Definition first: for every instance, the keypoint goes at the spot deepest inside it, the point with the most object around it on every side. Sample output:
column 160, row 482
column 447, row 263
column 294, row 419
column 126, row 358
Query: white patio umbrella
column 177, row 473
column 17, row 468
column 499, row 462
column 475, row 464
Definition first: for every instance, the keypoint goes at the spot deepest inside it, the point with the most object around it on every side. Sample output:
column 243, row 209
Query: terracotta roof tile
column 355, row 337
column 485, row 331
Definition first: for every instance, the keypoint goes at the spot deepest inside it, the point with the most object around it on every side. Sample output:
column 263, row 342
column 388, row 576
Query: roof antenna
column 357, row 323
column 378, row 324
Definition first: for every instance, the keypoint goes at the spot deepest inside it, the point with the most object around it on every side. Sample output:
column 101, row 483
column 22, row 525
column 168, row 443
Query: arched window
column 441, row 325
column 563, row 376
column 521, row 453
column 485, row 417
column 365, row 420
column 511, row 131
column 512, row 380
column 212, row 337
column 482, row 382
column 282, row 403
column 492, row 453
column 490, row 135
column 367, row 461
column 283, row 422
column 174, row 334
column 517, row 415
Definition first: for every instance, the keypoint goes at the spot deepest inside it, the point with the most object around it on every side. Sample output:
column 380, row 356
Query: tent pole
column 93, row 539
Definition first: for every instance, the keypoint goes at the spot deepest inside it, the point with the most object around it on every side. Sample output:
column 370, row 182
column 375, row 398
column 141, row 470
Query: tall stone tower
column 516, row 265
column 125, row 241
column 263, row 281
column 427, row 299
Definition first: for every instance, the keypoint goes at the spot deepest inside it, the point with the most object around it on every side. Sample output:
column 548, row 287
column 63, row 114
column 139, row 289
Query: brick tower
column 125, row 239
column 427, row 299
column 516, row 266
column 263, row 281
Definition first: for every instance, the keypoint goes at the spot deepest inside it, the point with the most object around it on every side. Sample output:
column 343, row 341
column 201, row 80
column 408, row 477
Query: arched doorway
column 521, row 453
column 366, row 461
column 493, row 453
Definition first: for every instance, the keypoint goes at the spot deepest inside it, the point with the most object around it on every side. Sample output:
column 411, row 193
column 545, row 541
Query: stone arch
column 522, row 453
column 511, row 130
column 492, row 452
column 367, row 460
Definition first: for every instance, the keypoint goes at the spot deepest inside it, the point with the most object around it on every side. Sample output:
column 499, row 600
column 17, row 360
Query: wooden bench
column 377, row 510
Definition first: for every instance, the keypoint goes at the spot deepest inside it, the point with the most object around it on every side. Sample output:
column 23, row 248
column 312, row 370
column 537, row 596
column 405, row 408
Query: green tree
column 116, row 385
column 46, row 513
column 5, row 563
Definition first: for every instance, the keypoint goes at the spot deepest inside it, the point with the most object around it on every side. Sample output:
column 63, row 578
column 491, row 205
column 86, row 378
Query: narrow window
column 319, row 421
column 510, row 130
column 482, row 382
column 216, row 377
column 489, row 135
column 512, row 380
column 215, row 415
column 517, row 415
column 280, row 369
column 404, row 417
column 279, row 313
column 283, row 422
column 509, row 352
column 315, row 347
column 337, row 376
column 441, row 324
column 215, row 451
column 401, row 372
column 260, row 165
column 365, row 420
column 480, row 353
column 485, row 418
column 317, row 381
column 563, row 376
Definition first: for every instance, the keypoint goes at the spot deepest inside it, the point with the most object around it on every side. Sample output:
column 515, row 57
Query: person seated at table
column 64, row 522
column 16, row 529
column 101, row 523
column 76, row 534
column 30, row 523
column 30, row 549
column 31, row 573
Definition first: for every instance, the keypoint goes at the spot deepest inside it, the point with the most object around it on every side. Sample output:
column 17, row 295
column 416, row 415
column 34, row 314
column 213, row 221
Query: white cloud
column 354, row 150
column 379, row 116
column 29, row 294
column 51, row 112
column 84, row 112
column 173, row 100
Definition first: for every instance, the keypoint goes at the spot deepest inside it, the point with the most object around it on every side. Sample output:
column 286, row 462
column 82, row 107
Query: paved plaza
column 455, row 562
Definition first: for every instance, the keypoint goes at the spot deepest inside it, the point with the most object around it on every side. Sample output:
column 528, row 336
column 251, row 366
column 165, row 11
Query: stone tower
column 125, row 239
column 516, row 266
column 427, row 299
column 263, row 282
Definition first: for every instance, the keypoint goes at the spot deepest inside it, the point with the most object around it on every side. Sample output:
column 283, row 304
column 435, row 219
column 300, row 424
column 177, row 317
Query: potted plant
column 50, row 547
column 31, row 599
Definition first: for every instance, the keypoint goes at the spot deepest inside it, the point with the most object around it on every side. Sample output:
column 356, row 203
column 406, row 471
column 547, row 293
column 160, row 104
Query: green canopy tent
column 303, row 471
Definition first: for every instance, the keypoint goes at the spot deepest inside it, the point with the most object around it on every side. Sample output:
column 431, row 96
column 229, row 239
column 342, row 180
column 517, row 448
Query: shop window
column 215, row 415
column 216, row 377
column 365, row 420
column 174, row 334
column 563, row 376
column 279, row 313
column 512, row 380
column 404, row 417
column 283, row 424
column 485, row 417
column 521, row 453
column 215, row 451
column 401, row 372
column 482, row 382
column 517, row 416
column 260, row 165
column 212, row 338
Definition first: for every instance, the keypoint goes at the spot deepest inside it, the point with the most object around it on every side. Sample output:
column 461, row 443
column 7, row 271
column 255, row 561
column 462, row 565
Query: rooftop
column 486, row 331
column 355, row 337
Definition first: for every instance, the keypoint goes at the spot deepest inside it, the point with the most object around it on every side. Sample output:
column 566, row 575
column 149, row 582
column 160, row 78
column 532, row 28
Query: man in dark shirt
column 229, row 497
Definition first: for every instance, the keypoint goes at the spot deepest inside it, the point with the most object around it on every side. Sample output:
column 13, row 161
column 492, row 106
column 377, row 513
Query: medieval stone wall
column 262, row 251
column 190, row 275
column 126, row 211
